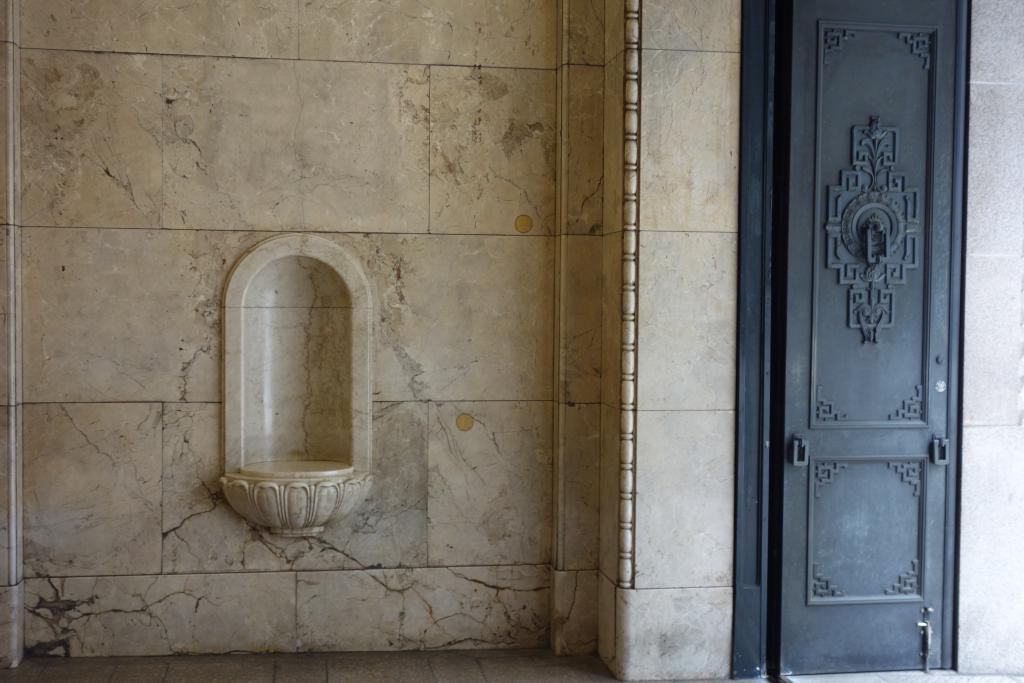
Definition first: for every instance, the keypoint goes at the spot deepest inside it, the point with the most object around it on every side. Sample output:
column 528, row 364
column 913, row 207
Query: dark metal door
column 868, row 408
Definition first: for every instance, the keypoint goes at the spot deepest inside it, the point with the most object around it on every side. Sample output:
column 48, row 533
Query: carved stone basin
column 295, row 497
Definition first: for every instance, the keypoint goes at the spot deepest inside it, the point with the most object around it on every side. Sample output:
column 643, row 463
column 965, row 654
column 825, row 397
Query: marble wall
column 992, row 509
column 11, row 587
column 669, row 615
column 160, row 141
column 578, row 370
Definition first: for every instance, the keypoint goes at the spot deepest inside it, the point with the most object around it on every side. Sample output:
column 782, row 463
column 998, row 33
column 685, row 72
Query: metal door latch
column 940, row 450
column 926, row 637
column 798, row 451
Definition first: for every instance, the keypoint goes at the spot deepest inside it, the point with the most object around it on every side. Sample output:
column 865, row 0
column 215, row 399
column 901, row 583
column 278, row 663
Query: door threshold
column 901, row 677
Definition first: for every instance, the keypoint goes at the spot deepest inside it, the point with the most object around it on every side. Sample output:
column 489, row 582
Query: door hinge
column 940, row 450
column 926, row 637
column 799, row 451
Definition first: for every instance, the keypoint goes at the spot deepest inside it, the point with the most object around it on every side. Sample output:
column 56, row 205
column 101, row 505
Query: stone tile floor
column 508, row 666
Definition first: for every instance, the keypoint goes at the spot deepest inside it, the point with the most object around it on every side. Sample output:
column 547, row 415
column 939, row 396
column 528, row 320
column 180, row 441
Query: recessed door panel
column 867, row 339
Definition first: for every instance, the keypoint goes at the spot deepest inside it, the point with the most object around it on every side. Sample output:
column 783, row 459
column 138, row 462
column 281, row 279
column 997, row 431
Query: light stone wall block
column 414, row 609
column 991, row 529
column 489, row 483
column 687, row 328
column 585, row 31
column 509, row 33
column 92, row 489
column 90, row 139
column 160, row 615
column 685, row 499
column 584, row 188
column 689, row 142
column 700, row 25
column 492, row 151
column 342, row 147
column 674, row 633
column 240, row 28
column 579, row 472
column 574, row 612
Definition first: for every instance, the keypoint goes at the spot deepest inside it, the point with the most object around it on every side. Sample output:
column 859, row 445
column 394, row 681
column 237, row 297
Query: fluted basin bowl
column 295, row 497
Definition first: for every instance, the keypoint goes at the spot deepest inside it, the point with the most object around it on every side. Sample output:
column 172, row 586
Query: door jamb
column 762, row 131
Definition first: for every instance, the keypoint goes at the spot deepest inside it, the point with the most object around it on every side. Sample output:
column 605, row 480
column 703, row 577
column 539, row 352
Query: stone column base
column 666, row 633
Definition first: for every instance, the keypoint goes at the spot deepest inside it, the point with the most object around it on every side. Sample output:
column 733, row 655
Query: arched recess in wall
column 297, row 355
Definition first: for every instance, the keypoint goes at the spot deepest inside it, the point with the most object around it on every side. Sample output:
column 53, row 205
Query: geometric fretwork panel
column 865, row 553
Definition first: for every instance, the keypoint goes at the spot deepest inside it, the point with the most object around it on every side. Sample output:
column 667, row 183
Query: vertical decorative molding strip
column 630, row 214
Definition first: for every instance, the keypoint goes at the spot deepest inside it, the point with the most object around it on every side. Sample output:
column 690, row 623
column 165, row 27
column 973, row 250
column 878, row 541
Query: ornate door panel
column 867, row 410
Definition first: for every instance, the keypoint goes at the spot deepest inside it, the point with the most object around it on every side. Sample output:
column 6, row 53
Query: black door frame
column 763, row 130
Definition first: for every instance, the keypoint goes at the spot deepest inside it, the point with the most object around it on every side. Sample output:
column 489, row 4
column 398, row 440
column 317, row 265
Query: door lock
column 799, row 451
column 926, row 637
column 940, row 450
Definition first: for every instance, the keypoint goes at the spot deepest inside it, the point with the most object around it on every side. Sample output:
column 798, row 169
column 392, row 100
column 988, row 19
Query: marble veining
column 375, row 609
column 91, row 489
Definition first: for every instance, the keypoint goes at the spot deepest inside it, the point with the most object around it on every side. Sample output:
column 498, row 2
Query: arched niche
column 297, row 356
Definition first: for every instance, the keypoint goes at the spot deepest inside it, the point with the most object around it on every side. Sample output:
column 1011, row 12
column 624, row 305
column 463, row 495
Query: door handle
column 799, row 453
column 940, row 450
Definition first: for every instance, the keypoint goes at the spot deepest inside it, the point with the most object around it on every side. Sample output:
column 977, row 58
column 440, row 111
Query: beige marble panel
column 585, row 166
column 134, row 315
column 10, row 125
column 9, row 450
column 585, row 34
column 991, row 526
column 613, row 145
column 343, row 147
column 611, row 317
column 574, row 612
column 685, row 500
column 996, row 48
column 606, row 620
column 492, row 150
column 90, row 139
column 519, row 33
column 413, row 609
column 687, row 321
column 699, row 621
column 160, row 615
column 10, row 15
column 486, row 333
column 121, row 315
column 240, row 28
column 12, row 631
column 995, row 205
column 711, row 25
column 91, row 489
column 203, row 534
column 299, row 384
column 614, row 28
column 489, row 483
column 689, row 147
column 7, row 318
column 993, row 340
column 580, row 315
column 608, row 513
column 579, row 495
